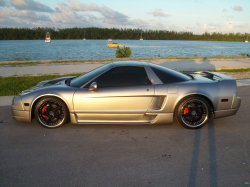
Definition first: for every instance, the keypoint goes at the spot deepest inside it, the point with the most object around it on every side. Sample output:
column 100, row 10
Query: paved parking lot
column 122, row 155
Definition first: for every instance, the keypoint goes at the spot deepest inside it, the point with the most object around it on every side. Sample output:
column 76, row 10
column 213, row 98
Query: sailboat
column 141, row 36
column 47, row 37
column 246, row 40
column 84, row 35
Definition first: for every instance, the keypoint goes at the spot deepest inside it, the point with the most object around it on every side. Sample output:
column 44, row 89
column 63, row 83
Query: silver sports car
column 129, row 92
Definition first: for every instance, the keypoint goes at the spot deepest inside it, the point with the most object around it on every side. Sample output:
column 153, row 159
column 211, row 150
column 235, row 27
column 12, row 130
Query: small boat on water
column 84, row 35
column 246, row 40
column 141, row 36
column 109, row 40
column 114, row 45
column 47, row 37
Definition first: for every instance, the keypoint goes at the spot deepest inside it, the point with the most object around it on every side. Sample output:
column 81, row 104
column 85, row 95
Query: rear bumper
column 235, row 106
column 224, row 113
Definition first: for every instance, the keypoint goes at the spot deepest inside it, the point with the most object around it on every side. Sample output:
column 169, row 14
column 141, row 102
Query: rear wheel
column 193, row 112
column 51, row 112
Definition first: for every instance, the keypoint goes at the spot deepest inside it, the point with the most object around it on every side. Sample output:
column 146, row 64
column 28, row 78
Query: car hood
column 47, row 83
column 50, row 82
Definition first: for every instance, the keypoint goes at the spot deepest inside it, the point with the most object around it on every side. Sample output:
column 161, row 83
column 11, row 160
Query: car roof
column 127, row 63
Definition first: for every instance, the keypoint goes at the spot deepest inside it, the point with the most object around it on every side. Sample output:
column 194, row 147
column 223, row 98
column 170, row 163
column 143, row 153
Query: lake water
column 94, row 49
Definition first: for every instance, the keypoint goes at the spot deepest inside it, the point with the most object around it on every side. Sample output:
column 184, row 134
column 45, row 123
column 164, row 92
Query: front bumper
column 18, row 112
column 21, row 115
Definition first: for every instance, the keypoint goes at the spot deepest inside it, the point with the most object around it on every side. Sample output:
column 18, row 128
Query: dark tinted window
column 168, row 75
column 81, row 80
column 123, row 76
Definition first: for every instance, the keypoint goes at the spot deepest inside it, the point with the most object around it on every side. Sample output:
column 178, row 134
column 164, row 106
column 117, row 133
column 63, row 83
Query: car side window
column 167, row 75
column 123, row 76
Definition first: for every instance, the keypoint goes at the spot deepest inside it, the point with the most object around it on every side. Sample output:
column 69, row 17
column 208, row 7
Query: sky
column 197, row 16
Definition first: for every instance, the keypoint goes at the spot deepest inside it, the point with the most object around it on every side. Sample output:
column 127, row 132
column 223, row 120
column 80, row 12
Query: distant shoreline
column 115, row 33
column 121, row 39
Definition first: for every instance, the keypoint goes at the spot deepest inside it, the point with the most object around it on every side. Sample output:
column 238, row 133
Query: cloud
column 229, row 17
column 30, row 5
column 225, row 27
column 237, row 8
column 138, row 23
column 159, row 13
column 204, row 27
column 25, row 21
column 213, row 25
column 78, row 13
column 24, row 14
column 2, row 3
column 32, row 13
column 188, row 29
column 77, row 6
column 10, row 22
column 110, row 15
column 64, row 16
column 57, row 10
column 224, row 10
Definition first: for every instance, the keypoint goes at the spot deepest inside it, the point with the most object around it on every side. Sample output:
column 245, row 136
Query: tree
column 124, row 52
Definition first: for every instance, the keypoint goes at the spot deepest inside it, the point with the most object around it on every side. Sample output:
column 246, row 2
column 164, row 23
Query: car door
column 123, row 93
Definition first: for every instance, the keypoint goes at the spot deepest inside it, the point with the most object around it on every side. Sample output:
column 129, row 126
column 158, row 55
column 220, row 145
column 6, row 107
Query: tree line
column 114, row 33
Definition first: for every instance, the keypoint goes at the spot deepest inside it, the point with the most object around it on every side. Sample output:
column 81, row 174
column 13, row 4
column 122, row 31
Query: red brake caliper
column 185, row 111
column 44, row 110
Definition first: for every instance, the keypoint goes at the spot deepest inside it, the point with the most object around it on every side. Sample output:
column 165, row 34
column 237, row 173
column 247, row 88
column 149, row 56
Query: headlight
column 26, row 92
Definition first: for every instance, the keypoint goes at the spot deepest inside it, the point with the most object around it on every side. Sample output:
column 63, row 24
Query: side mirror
column 93, row 86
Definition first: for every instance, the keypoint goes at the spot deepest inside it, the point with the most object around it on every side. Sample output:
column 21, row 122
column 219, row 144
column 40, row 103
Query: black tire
column 193, row 112
column 51, row 112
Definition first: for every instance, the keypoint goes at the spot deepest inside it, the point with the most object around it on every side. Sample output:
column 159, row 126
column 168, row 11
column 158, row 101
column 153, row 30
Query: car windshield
column 85, row 78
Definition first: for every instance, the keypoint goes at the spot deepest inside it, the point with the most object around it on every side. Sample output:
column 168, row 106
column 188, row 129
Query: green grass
column 15, row 84
column 31, row 63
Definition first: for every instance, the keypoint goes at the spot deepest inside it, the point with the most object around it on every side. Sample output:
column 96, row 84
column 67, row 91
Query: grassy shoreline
column 107, row 60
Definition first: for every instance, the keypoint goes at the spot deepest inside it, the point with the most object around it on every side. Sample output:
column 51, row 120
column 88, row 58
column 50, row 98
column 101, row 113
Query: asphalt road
column 120, row 155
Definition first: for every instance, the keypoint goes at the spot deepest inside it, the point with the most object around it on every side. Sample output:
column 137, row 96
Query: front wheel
column 193, row 112
column 51, row 112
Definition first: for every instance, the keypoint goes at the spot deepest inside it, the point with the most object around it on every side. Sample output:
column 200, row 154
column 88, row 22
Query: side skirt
column 162, row 118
